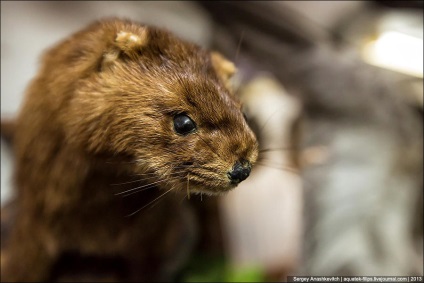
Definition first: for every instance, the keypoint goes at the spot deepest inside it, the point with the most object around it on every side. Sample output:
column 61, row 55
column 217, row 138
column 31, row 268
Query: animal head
column 142, row 92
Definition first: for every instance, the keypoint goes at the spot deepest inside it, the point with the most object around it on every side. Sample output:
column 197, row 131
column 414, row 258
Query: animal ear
column 131, row 43
column 125, row 43
column 224, row 68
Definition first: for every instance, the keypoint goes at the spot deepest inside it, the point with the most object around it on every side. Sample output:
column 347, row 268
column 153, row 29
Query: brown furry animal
column 121, row 108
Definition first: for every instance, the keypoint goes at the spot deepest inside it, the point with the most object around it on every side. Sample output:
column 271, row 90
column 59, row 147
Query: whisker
column 150, row 202
column 155, row 203
column 267, row 120
column 146, row 185
column 129, row 182
column 265, row 158
column 188, row 186
column 140, row 187
column 145, row 174
column 278, row 149
column 182, row 200
column 239, row 45
column 150, row 186
column 274, row 162
column 288, row 169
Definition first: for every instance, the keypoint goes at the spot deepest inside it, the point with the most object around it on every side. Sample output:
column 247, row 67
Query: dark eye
column 183, row 124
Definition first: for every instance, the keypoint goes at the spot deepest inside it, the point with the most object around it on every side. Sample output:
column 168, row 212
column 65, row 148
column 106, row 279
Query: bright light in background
column 397, row 51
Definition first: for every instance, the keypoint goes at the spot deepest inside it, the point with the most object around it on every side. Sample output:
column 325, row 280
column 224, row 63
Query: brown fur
column 100, row 112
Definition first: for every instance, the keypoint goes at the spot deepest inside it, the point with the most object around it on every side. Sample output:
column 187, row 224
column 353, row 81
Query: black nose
column 240, row 172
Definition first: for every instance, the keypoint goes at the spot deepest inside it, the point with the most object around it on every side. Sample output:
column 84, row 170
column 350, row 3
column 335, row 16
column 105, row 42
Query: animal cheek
column 253, row 149
column 201, row 145
column 238, row 149
column 246, row 148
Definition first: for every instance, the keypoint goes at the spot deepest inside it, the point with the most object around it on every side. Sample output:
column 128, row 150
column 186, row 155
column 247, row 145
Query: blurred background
column 334, row 92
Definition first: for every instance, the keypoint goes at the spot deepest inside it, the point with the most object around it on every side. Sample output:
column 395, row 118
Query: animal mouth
column 202, row 189
column 208, row 184
column 209, row 179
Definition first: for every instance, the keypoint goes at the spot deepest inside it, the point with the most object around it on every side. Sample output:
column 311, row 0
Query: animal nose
column 240, row 171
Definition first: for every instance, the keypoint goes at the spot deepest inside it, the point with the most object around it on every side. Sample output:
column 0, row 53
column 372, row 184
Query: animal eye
column 183, row 124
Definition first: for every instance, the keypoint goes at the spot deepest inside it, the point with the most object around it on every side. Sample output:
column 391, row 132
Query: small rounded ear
column 224, row 68
column 127, row 43
column 131, row 43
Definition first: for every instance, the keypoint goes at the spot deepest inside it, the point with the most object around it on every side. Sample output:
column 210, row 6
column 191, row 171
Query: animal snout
column 240, row 171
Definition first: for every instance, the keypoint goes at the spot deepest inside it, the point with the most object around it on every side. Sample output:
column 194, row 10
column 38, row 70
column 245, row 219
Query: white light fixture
column 397, row 51
column 398, row 42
